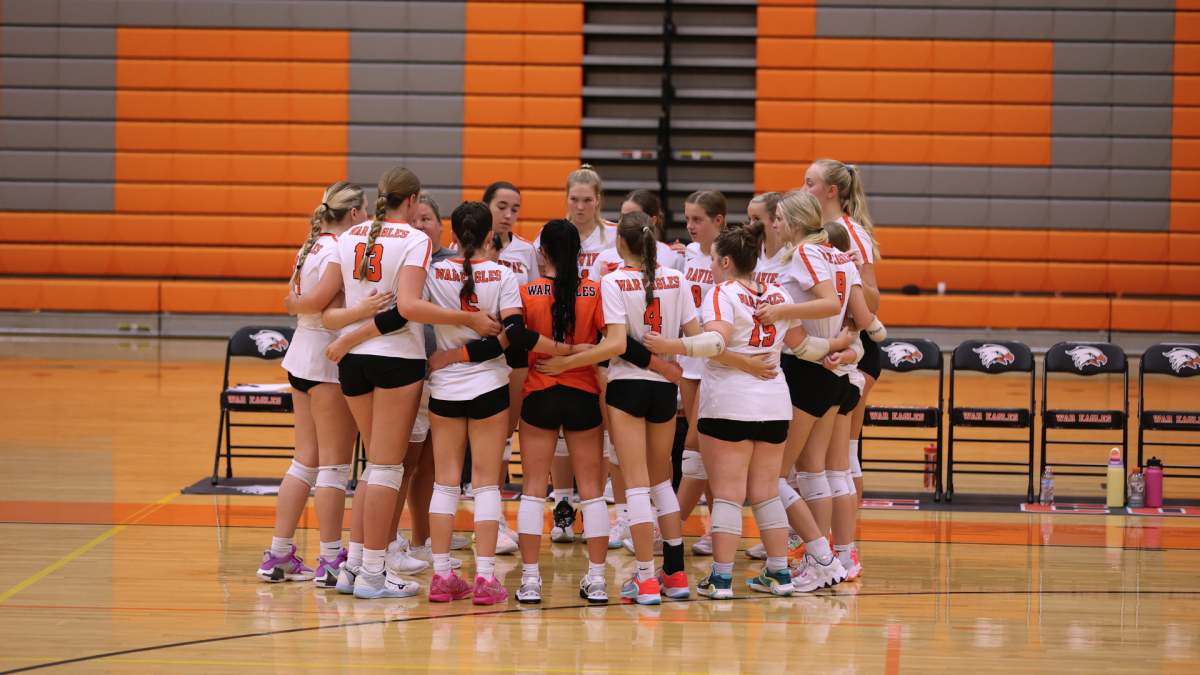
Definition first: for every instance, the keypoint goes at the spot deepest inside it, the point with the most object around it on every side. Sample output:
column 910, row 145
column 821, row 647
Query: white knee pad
column 693, row 465
column 793, row 479
column 365, row 478
column 531, row 515
column 560, row 450
column 664, row 498
column 304, row 474
column 850, row 490
column 637, row 504
column 787, row 494
column 335, row 476
column 487, row 504
column 837, row 482
column 387, row 475
column 814, row 486
column 855, row 466
column 609, row 451
column 770, row 515
column 726, row 517
column 595, row 518
column 444, row 500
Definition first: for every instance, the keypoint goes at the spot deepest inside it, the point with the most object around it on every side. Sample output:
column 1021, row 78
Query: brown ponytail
column 741, row 243
column 396, row 185
column 637, row 230
column 472, row 224
column 339, row 198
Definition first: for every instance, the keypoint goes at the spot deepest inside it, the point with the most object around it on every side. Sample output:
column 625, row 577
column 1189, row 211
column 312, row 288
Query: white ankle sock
column 843, row 554
column 530, row 571
column 373, row 560
column 776, row 564
column 485, row 566
column 280, row 546
column 331, row 549
column 560, row 495
column 819, row 549
column 722, row 568
column 354, row 553
column 596, row 570
column 441, row 564
column 645, row 570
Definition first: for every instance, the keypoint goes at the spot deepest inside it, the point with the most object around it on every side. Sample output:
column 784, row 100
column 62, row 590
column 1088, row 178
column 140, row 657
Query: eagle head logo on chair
column 990, row 353
column 1087, row 356
column 1182, row 357
column 269, row 341
column 902, row 351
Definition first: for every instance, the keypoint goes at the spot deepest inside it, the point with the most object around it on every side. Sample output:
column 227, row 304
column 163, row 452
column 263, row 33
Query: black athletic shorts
column 872, row 360
column 562, row 406
column 481, row 407
column 814, row 388
column 851, row 402
column 736, row 431
column 302, row 385
column 657, row 402
column 516, row 358
column 362, row 373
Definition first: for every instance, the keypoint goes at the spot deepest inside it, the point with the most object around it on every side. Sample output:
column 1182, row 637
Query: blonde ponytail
column 802, row 214
column 852, row 196
column 317, row 220
column 396, row 185
column 338, row 200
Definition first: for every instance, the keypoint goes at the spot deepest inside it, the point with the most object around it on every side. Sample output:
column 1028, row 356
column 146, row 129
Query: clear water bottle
column 1047, row 487
column 1137, row 489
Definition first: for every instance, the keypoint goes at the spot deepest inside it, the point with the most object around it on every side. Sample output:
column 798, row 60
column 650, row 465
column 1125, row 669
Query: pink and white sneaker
column 286, row 568
column 445, row 589
column 855, row 566
column 489, row 592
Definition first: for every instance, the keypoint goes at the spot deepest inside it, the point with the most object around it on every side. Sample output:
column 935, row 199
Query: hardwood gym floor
column 111, row 570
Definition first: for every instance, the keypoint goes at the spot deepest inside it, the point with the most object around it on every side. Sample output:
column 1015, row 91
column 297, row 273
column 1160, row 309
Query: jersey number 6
column 652, row 317
column 374, row 270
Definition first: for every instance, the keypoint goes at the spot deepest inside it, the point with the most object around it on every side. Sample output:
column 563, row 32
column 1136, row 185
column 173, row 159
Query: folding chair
column 1176, row 360
column 269, row 343
column 905, row 356
column 991, row 357
column 1086, row 359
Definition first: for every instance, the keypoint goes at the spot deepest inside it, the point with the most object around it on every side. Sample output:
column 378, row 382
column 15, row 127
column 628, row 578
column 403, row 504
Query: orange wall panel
column 216, row 297
column 231, row 107
column 515, row 17
column 1185, row 216
column 103, row 295
column 787, row 21
column 523, row 48
column 1141, row 315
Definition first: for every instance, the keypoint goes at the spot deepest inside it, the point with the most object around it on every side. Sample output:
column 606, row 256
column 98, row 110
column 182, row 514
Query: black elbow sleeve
column 636, row 353
column 518, row 335
column 484, row 349
column 390, row 321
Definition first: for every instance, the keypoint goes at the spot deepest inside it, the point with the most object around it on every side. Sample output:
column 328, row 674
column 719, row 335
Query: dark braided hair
column 471, row 223
column 637, row 230
column 560, row 244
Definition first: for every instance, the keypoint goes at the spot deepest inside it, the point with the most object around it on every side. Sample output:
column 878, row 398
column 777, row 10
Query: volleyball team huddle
column 589, row 339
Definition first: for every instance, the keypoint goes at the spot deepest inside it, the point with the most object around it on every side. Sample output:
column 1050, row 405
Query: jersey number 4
column 762, row 336
column 374, row 268
column 653, row 317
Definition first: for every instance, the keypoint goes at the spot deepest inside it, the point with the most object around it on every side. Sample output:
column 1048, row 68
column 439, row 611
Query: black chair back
column 264, row 342
column 1085, row 358
column 905, row 356
column 993, row 356
column 1179, row 360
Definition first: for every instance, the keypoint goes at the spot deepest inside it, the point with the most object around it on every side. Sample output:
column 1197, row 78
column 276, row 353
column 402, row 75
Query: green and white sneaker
column 716, row 586
column 775, row 583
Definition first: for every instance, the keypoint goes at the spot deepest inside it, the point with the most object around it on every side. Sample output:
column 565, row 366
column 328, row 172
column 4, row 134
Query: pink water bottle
column 1154, row 486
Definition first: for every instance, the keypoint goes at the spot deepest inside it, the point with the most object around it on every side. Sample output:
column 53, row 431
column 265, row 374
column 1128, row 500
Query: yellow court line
column 370, row 666
column 86, row 547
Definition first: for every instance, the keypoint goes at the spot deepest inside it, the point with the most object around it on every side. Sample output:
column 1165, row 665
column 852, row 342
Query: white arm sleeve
column 708, row 343
column 812, row 349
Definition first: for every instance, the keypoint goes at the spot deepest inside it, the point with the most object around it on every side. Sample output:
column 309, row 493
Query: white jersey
column 770, row 270
column 398, row 245
column 624, row 298
column 609, row 260
column 860, row 240
column 305, row 357
column 521, row 257
column 732, row 394
column 601, row 238
column 496, row 289
column 812, row 264
column 692, row 249
column 697, row 281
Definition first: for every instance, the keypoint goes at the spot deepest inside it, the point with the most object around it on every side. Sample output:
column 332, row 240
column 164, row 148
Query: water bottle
column 930, row 467
column 1116, row 480
column 1154, row 483
column 1047, row 487
column 1137, row 489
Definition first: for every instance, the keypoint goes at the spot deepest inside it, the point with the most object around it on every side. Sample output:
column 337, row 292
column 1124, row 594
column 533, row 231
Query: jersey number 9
column 374, row 269
column 840, row 280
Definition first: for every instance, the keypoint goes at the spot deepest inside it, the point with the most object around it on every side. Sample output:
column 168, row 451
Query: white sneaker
column 506, row 540
column 457, row 543
column 593, row 589
column 703, row 546
column 608, row 493
column 530, row 592
column 811, row 574
column 618, row 533
column 368, row 586
column 425, row 553
column 400, row 562
column 757, row 552
column 658, row 542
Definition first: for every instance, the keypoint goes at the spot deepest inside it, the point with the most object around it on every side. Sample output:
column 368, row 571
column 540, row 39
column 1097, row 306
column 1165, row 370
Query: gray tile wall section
column 58, row 76
column 1112, row 115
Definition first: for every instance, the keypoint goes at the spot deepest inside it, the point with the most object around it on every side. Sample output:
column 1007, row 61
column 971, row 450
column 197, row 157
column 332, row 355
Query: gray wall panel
column 407, row 47
column 963, row 24
column 900, row 210
column 1143, row 89
column 1079, row 215
column 405, row 77
column 1083, row 183
column 959, row 180
column 1083, row 57
column 65, row 135
column 447, row 197
column 1020, row 213
column 1112, row 89
column 21, row 196
column 431, row 170
column 1146, row 216
column 56, row 166
column 1143, row 58
column 1019, row 182
column 1095, row 89
column 403, row 140
column 946, row 211
column 1033, row 4
column 1141, row 152
column 30, row 11
column 1144, row 26
column 401, row 109
column 1131, row 121
column 1077, row 120
column 1023, row 25
column 1059, row 214
column 58, row 73
column 39, row 41
column 1016, row 182
column 66, row 104
column 1083, row 152
column 1083, row 25
column 1140, row 184
column 1003, row 21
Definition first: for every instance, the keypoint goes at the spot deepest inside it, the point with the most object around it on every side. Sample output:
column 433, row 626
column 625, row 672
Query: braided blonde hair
column 339, row 199
column 396, row 185
column 802, row 213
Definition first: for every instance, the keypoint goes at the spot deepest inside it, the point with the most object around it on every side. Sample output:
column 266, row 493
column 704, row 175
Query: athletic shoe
column 608, row 493
column 345, row 580
column 371, row 586
column 593, row 589
column 285, row 568
column 457, row 543
column 716, row 586
column 703, row 546
column 811, row 574
column 425, row 554
column 489, row 591
column 530, row 592
column 658, row 542
column 506, row 540
column 445, row 589
column 795, row 547
column 641, row 592
column 855, row 569
column 618, row 533
column 674, row 585
column 775, row 583
column 327, row 571
column 468, row 491
column 400, row 562
column 563, row 531
column 757, row 552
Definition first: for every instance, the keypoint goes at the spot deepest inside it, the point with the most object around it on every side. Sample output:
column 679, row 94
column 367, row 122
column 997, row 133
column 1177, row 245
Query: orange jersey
column 537, row 298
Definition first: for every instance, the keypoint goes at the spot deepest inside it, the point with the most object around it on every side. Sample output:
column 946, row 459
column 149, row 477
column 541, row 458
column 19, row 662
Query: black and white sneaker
column 593, row 589
column 530, row 592
column 563, row 531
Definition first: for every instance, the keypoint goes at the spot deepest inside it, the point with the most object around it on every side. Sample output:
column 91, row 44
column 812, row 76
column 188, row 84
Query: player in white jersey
column 381, row 377
column 770, row 266
column 839, row 188
column 638, row 298
column 648, row 203
column 324, row 426
column 743, row 419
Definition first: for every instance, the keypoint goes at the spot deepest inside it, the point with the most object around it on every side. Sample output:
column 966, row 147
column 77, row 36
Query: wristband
column 390, row 321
